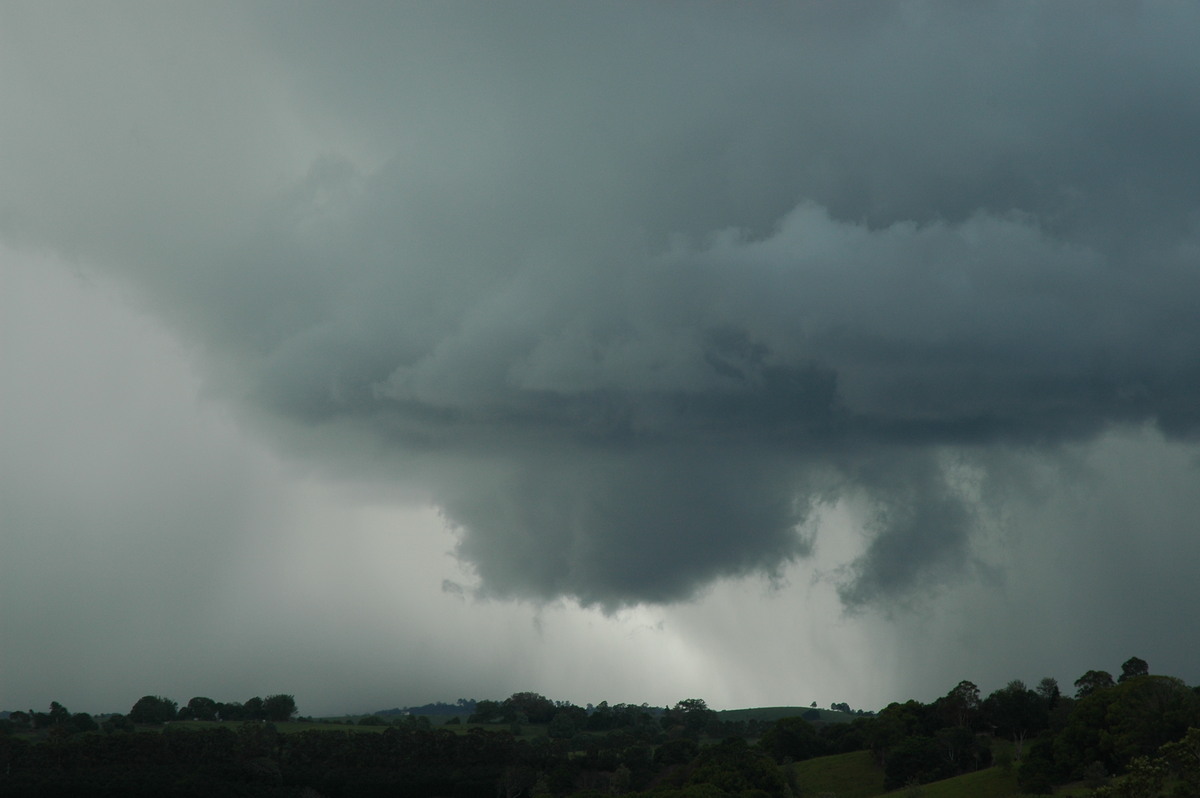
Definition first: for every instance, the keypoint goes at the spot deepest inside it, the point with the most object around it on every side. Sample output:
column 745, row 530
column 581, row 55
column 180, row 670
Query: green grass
column 855, row 775
column 852, row 775
column 989, row 783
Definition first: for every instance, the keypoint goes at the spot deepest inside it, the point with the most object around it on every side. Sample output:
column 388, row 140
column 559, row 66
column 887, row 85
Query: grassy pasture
column 855, row 775
column 852, row 775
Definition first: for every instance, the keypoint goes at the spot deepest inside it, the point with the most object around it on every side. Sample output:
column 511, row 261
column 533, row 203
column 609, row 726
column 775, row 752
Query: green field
column 855, row 775
column 852, row 775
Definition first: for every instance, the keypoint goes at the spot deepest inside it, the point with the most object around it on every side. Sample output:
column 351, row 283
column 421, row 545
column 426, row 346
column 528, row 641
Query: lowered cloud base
column 634, row 303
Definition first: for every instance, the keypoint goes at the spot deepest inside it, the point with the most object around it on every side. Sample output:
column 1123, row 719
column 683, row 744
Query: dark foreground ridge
column 1138, row 734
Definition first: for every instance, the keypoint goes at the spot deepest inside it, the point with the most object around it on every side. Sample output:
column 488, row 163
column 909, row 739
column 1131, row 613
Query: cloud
column 627, row 296
column 614, row 529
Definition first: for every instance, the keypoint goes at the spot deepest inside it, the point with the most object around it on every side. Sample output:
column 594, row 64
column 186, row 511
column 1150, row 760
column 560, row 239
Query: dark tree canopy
column 1048, row 689
column 1092, row 681
column 791, row 739
column 253, row 709
column 528, row 707
column 153, row 709
column 279, row 707
column 202, row 708
column 1016, row 712
column 961, row 705
column 1133, row 667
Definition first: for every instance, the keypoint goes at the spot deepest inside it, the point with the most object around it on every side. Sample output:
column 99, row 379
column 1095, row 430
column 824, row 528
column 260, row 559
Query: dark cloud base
column 629, row 296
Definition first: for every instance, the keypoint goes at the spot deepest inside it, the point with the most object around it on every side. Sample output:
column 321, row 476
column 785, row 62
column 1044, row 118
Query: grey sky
column 361, row 339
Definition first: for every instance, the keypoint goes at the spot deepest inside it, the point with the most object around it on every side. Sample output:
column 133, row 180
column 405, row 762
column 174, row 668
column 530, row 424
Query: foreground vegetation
column 1138, row 735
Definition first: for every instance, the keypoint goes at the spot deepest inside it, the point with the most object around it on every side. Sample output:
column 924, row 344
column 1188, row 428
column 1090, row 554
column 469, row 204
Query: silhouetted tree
column 202, row 708
column 153, row 709
column 791, row 739
column 1092, row 681
column 58, row 714
column 960, row 706
column 82, row 722
column 253, row 709
column 485, row 712
column 279, row 707
column 116, row 723
column 231, row 711
column 534, row 707
column 1016, row 712
column 690, row 713
column 1133, row 667
column 1048, row 689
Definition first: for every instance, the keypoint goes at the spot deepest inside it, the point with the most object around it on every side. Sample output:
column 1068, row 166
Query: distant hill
column 771, row 714
column 464, row 706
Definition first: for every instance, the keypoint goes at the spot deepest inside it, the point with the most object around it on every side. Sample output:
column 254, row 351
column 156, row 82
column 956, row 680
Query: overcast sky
column 766, row 353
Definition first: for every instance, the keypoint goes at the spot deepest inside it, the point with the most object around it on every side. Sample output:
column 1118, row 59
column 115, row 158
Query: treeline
column 1137, row 734
column 666, row 754
column 1111, row 732
column 150, row 709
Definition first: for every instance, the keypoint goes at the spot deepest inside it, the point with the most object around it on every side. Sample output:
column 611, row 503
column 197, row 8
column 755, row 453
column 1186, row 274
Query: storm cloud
column 629, row 290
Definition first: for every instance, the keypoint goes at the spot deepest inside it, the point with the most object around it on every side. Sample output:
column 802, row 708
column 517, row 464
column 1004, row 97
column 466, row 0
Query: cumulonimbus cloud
column 629, row 296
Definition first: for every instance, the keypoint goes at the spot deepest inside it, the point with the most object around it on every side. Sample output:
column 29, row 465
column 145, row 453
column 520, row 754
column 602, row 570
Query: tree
column 1147, row 713
column 1016, row 712
column 485, row 712
column 279, row 707
column 601, row 718
column 534, row 707
column 116, row 723
column 1048, row 689
column 1133, row 667
column 253, row 709
column 691, row 713
column 201, row 708
column 82, row 722
column 736, row 769
column 231, row 711
column 563, row 726
column 791, row 739
column 1092, row 681
column 894, row 724
column 961, row 704
column 58, row 714
column 1117, row 724
column 153, row 709
column 1183, row 756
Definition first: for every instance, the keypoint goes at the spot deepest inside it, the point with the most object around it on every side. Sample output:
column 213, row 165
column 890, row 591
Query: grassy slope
column 852, row 775
column 855, row 775
column 990, row 783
